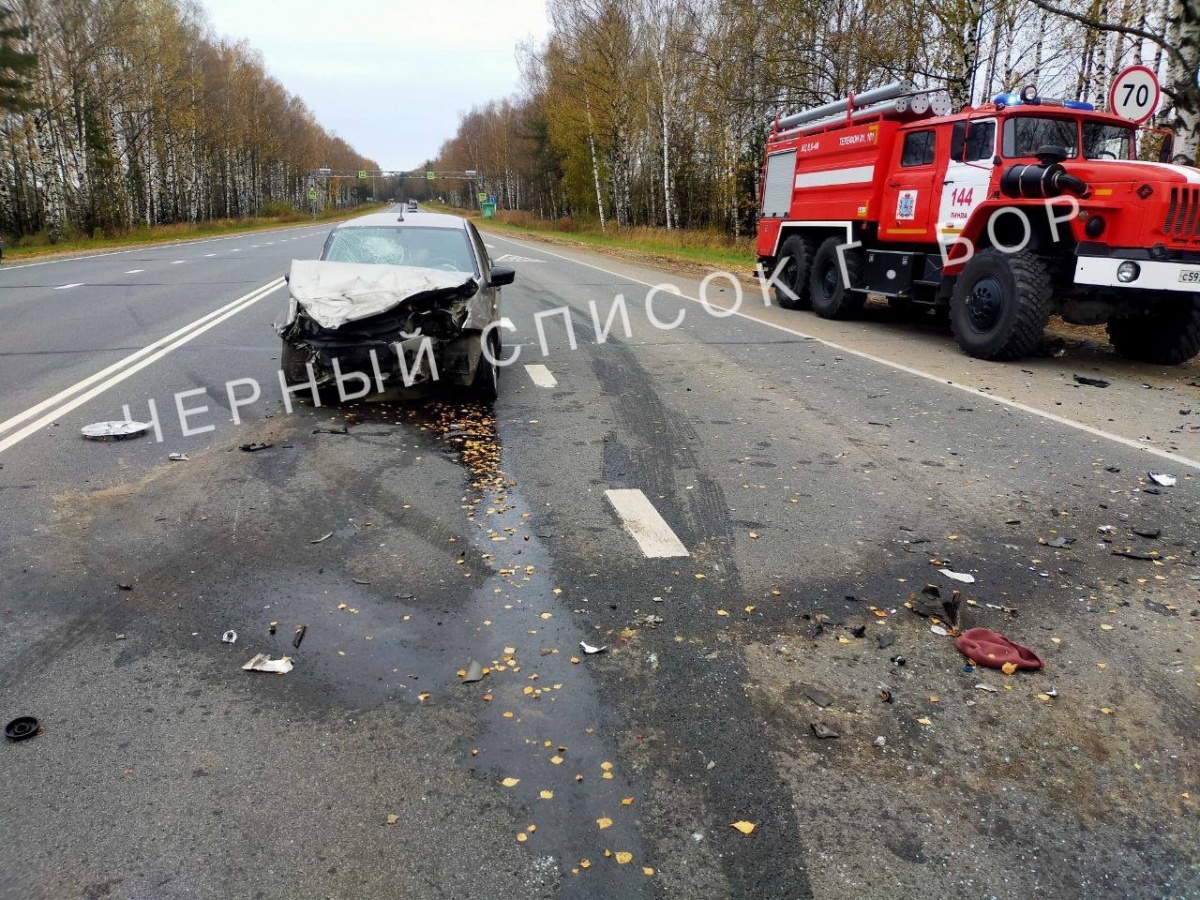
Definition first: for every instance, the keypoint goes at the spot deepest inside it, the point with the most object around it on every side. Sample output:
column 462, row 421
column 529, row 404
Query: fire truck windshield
column 1025, row 135
column 1102, row 141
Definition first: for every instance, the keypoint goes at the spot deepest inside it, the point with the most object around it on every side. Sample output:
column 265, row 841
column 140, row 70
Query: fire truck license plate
column 1189, row 276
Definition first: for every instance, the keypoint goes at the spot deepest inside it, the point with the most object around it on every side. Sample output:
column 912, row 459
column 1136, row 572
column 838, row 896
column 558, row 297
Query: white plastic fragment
column 115, row 431
column 1163, row 480
column 178, row 457
column 958, row 576
column 590, row 650
column 229, row 637
column 987, row 687
column 939, row 630
column 264, row 663
column 322, row 539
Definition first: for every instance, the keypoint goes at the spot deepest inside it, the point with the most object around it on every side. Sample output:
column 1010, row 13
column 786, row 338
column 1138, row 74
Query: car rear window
column 434, row 248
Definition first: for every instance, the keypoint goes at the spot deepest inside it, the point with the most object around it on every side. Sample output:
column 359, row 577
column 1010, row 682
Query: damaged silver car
column 399, row 300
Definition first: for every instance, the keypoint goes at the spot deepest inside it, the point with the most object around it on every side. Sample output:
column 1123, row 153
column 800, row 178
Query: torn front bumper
column 391, row 325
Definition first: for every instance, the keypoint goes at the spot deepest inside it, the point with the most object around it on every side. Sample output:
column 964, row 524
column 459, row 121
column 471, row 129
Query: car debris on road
column 987, row 648
column 22, row 728
column 263, row 663
column 115, row 431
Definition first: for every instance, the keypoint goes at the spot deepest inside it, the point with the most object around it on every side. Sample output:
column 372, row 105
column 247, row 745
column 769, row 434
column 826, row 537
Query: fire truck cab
column 1003, row 215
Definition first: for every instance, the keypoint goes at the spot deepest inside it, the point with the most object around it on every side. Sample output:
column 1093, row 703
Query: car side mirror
column 502, row 275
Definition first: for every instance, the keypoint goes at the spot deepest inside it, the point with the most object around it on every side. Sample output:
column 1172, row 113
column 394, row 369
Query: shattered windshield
column 431, row 248
column 1025, row 135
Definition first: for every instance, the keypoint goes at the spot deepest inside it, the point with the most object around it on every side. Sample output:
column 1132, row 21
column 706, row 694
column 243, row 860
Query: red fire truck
column 1004, row 214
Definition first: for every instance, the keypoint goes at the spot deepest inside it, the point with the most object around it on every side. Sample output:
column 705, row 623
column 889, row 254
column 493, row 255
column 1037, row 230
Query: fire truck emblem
column 906, row 206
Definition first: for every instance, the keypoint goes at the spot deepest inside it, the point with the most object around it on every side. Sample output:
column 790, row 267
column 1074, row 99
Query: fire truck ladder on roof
column 898, row 99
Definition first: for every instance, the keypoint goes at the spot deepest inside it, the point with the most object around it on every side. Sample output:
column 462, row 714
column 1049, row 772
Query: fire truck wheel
column 1167, row 334
column 830, row 296
column 1001, row 304
column 796, row 254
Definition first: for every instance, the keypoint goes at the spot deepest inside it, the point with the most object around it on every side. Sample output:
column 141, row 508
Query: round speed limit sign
column 1134, row 94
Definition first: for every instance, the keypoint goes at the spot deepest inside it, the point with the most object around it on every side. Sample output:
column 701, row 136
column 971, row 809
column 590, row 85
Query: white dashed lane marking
column 541, row 376
column 67, row 287
column 178, row 262
column 648, row 528
column 135, row 271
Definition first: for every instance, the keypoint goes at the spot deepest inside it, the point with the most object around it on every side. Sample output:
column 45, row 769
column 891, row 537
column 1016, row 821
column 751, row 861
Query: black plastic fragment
column 22, row 728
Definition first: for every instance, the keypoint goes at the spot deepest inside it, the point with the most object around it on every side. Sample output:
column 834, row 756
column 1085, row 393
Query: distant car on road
column 412, row 206
column 401, row 299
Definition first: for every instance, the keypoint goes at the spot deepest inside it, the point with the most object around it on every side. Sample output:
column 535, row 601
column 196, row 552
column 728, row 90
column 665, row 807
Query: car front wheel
column 486, row 385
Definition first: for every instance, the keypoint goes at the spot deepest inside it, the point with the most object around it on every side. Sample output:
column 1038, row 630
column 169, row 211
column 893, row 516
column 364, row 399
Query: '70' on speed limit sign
column 1134, row 94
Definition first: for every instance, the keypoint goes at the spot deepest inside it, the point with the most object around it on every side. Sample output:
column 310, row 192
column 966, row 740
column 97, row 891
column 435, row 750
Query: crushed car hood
column 334, row 293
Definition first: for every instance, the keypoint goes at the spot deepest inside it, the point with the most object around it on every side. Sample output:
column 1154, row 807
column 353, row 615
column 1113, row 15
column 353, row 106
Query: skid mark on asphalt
column 643, row 521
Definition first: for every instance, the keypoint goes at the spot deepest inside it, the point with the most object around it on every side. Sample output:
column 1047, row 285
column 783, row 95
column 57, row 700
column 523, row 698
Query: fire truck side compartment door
column 779, row 184
column 910, row 195
column 968, row 178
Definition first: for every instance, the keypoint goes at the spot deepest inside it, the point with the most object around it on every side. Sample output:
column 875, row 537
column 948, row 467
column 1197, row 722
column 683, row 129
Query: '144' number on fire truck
column 963, row 196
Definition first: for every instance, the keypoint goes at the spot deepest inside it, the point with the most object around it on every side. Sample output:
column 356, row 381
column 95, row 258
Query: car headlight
column 1128, row 272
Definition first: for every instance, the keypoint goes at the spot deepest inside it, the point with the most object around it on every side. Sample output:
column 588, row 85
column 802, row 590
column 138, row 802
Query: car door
column 910, row 193
column 484, row 262
column 968, row 175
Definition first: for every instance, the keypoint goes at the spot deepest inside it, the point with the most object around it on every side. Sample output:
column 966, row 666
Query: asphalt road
column 780, row 498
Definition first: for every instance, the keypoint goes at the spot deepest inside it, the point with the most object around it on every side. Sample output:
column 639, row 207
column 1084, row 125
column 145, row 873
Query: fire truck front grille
column 1183, row 215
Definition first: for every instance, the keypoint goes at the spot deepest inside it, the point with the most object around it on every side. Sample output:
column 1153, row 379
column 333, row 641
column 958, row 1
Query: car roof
column 395, row 220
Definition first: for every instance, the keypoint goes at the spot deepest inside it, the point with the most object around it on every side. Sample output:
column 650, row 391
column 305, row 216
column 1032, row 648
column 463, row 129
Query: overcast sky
column 389, row 76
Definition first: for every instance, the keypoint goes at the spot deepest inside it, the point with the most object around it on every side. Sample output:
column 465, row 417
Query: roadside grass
column 38, row 245
column 709, row 248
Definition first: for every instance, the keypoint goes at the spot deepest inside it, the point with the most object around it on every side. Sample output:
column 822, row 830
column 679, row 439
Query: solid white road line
column 900, row 367
column 541, row 376
column 67, row 287
column 147, row 355
column 648, row 528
